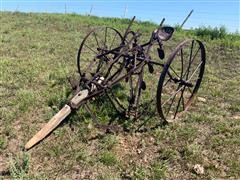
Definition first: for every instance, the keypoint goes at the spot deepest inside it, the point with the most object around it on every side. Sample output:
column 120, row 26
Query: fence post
column 65, row 8
column 125, row 11
column 90, row 12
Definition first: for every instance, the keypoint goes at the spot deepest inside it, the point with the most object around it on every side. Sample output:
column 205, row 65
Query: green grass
column 108, row 158
column 212, row 33
column 38, row 52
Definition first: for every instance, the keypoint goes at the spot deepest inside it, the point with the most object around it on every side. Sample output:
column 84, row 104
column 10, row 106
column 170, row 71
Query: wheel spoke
column 183, row 99
column 95, row 36
column 113, row 41
column 91, row 49
column 179, row 101
column 90, row 66
column 167, row 82
column 196, row 53
column 174, row 71
column 191, row 61
column 194, row 71
column 169, row 107
column 189, row 89
column 182, row 62
column 191, row 50
column 105, row 37
column 172, row 95
column 190, row 56
column 178, row 104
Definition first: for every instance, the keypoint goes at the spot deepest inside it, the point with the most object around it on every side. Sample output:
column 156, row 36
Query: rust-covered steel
column 106, row 57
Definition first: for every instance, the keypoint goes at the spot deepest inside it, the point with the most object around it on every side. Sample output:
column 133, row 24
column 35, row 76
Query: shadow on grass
column 105, row 117
column 108, row 120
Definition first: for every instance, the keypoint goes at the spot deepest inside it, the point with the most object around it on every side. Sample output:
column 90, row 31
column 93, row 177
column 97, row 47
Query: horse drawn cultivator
column 103, row 66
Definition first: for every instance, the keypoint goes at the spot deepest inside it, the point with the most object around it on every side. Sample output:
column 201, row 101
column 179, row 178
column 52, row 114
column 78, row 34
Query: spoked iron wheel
column 97, row 51
column 180, row 79
column 100, row 58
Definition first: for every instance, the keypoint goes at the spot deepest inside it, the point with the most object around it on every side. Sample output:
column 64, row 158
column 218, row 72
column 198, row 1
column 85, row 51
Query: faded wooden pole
column 57, row 119
column 49, row 127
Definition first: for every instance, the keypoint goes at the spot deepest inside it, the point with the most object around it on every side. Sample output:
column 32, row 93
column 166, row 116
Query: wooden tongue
column 57, row 119
column 49, row 127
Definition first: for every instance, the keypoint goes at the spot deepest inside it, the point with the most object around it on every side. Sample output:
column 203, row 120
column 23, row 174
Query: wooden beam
column 49, row 127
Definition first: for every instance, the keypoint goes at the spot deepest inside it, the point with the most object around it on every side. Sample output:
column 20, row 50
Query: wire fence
column 173, row 14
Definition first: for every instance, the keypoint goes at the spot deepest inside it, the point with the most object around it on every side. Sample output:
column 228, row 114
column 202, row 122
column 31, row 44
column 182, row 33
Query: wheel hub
column 182, row 82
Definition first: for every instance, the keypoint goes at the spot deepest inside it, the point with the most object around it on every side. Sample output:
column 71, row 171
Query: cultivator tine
column 115, row 102
column 93, row 115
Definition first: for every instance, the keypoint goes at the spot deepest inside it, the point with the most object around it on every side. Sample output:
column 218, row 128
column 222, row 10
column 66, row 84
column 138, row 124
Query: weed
column 168, row 154
column 108, row 158
column 108, row 142
column 81, row 156
column 26, row 98
column 2, row 142
column 192, row 153
column 187, row 133
column 140, row 173
column 19, row 167
column 159, row 170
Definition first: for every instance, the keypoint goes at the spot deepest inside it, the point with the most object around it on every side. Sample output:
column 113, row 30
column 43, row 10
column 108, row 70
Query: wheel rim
column 97, row 42
column 180, row 79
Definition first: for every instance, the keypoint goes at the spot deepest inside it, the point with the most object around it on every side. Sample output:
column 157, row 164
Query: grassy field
column 38, row 52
